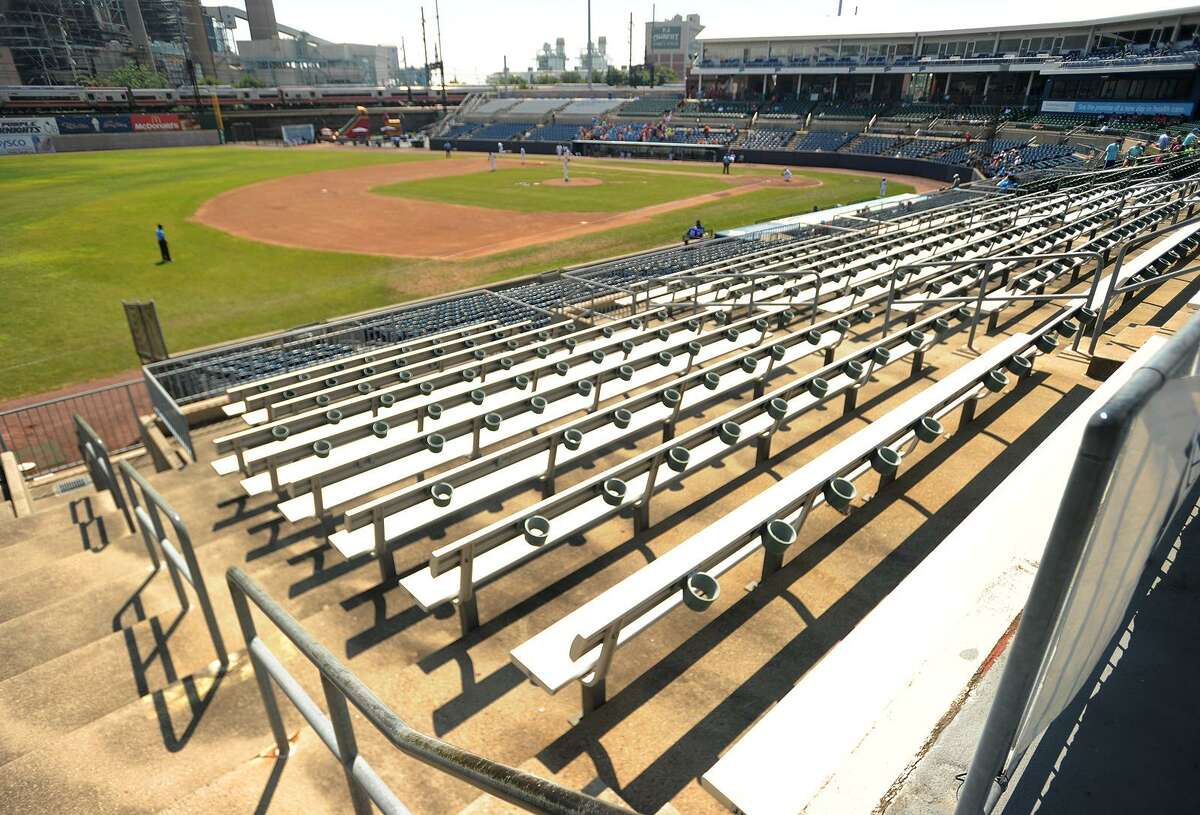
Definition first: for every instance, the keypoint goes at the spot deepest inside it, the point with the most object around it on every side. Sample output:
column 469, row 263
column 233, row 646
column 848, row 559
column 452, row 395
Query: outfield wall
column 75, row 143
column 883, row 165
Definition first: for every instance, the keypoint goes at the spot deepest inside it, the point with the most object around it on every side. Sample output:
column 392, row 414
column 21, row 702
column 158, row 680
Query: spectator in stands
column 1110, row 154
column 1136, row 152
column 694, row 233
column 1189, row 141
column 1164, row 141
column 1007, row 183
column 165, row 250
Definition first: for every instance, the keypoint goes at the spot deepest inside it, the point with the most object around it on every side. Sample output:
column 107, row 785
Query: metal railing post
column 265, row 689
column 347, row 745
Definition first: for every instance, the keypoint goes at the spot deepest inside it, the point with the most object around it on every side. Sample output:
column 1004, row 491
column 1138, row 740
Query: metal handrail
column 340, row 686
column 181, row 560
column 1116, row 287
column 94, row 453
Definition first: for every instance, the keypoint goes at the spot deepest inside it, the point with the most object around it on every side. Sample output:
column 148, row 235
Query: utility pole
column 441, row 52
column 589, row 43
column 650, row 40
column 404, row 67
column 425, row 45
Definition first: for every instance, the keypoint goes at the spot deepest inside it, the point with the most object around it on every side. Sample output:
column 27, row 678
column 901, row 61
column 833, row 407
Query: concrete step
column 490, row 805
column 62, row 578
column 50, row 700
column 210, row 726
column 89, row 515
column 59, row 628
column 90, row 533
column 307, row 781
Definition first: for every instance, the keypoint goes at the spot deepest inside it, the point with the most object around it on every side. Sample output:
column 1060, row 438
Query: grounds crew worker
column 161, row 234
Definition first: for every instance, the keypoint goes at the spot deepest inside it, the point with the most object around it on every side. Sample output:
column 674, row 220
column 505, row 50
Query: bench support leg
column 829, row 355
column 762, row 451
column 387, row 569
column 851, row 401
column 918, row 362
column 968, row 413
column 641, row 517
column 771, row 564
column 468, row 614
column 592, row 696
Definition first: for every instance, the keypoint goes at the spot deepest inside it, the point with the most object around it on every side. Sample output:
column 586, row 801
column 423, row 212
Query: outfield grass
column 522, row 189
column 77, row 232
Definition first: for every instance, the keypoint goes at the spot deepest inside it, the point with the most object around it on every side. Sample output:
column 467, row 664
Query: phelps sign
column 665, row 37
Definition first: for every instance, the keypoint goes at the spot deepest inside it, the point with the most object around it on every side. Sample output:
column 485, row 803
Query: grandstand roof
column 972, row 17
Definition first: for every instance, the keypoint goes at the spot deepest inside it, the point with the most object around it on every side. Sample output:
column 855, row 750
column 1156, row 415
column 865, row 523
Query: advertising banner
column 1132, row 108
column 94, row 124
column 27, row 136
column 155, row 122
column 665, row 36
column 28, row 127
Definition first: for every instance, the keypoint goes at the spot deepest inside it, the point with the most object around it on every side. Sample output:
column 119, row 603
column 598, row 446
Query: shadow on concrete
column 698, row 749
column 92, row 529
column 1128, row 740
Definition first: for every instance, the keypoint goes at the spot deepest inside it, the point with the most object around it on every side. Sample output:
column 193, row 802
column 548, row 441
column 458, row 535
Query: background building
column 47, row 42
column 599, row 56
column 552, row 61
column 672, row 43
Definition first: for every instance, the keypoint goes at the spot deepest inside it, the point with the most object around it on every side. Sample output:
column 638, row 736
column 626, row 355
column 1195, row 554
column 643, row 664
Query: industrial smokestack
column 261, row 16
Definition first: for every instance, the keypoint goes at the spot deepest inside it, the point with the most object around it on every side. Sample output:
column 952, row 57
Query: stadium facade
column 1141, row 64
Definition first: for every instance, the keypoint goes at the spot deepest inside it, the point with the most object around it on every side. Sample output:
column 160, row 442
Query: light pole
column 589, row 43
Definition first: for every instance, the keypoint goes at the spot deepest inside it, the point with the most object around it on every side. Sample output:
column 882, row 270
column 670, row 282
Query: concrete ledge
column 14, row 482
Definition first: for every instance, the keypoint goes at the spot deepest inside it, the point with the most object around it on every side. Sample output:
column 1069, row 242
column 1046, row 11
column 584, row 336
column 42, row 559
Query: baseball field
column 264, row 239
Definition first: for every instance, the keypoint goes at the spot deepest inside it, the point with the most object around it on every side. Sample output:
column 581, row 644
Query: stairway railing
column 149, row 508
column 342, row 689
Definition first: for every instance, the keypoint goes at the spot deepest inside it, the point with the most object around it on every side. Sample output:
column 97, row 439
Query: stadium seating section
column 766, row 139
column 563, row 133
column 501, row 131
column 650, row 106
column 826, row 140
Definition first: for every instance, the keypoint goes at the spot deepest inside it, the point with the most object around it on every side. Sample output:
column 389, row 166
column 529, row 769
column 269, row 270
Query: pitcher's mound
column 574, row 182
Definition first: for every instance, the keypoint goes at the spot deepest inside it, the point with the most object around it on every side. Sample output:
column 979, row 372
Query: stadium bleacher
column 872, row 146
column 716, row 109
column 590, row 107
column 785, row 109
column 462, row 131
column 650, row 106
column 536, row 108
column 665, row 443
column 766, row 138
column 503, row 130
column 826, row 140
column 556, row 132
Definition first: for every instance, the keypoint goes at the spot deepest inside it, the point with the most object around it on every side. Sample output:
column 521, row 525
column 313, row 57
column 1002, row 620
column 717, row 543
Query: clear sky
column 478, row 34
